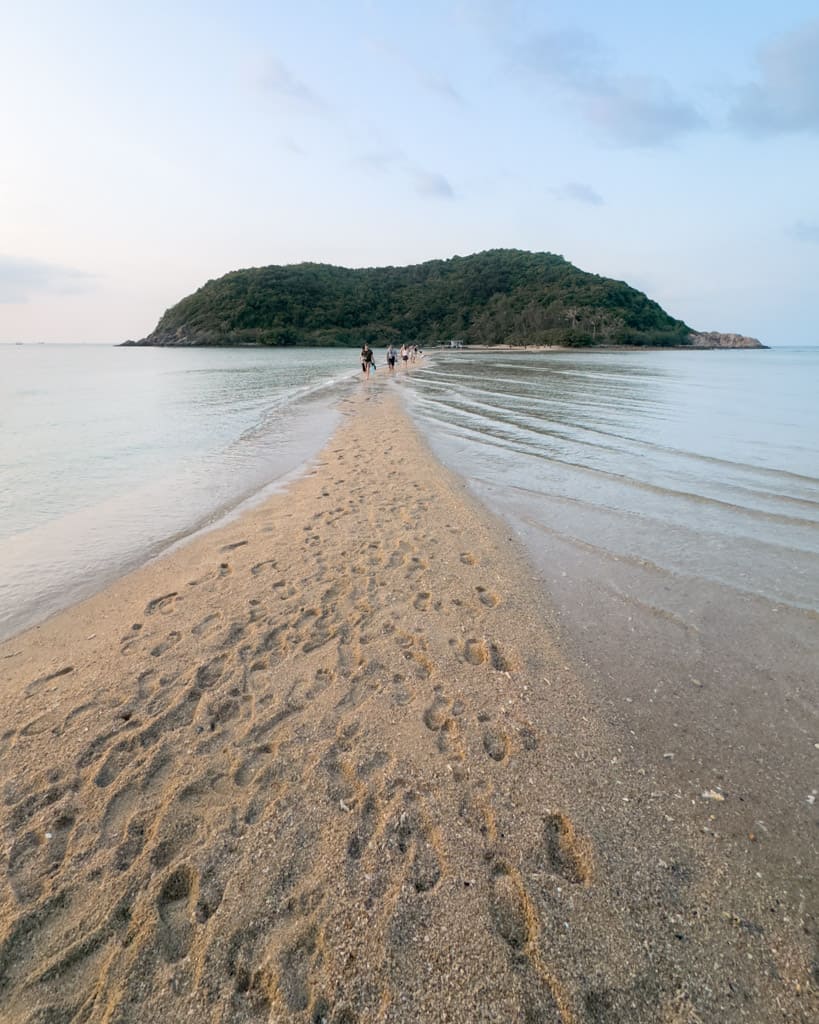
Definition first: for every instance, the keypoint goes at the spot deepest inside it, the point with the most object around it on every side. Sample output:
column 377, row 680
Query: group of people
column 408, row 354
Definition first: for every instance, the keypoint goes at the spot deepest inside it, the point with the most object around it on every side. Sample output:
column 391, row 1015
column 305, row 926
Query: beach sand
column 330, row 763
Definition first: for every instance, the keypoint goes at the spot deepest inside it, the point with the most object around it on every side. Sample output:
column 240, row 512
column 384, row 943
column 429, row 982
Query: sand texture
column 328, row 763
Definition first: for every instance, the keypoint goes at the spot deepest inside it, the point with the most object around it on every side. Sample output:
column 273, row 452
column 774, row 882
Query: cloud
column 804, row 231
column 382, row 160
column 289, row 145
column 640, row 112
column 22, row 279
column 440, row 85
column 785, row 98
column 428, row 183
column 577, row 192
column 628, row 110
column 435, row 82
column 574, row 58
column 278, row 79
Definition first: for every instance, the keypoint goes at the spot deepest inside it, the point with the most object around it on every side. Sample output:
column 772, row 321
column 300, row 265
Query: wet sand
column 330, row 763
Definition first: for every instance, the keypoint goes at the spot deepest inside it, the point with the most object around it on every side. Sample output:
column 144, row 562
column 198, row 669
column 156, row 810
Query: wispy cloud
column 627, row 110
column 439, row 84
column 429, row 183
column 805, row 231
column 382, row 159
column 785, row 97
column 289, row 144
column 278, row 79
column 577, row 192
column 392, row 160
column 23, row 279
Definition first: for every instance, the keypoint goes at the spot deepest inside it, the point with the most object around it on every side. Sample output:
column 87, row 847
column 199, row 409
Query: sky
column 147, row 148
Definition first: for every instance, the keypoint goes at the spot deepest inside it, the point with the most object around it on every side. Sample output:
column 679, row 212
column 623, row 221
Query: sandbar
column 330, row 763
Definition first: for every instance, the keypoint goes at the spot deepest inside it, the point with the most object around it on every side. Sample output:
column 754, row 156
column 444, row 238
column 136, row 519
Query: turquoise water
column 109, row 454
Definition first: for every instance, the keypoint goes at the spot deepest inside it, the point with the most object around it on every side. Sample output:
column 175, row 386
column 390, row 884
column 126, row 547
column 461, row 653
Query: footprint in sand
column 414, row 649
column 296, row 963
column 477, row 811
column 210, row 673
column 438, row 712
column 512, row 911
column 421, row 602
column 49, row 721
column 502, row 661
column 222, row 570
column 117, row 812
column 165, row 645
column 23, row 861
column 476, row 652
column 163, row 604
column 496, row 743
column 131, row 846
column 449, row 741
column 416, row 565
column 481, row 652
column 252, row 764
column 567, row 854
column 207, row 624
column 371, row 815
column 37, row 684
column 468, row 558
column 415, row 842
column 232, row 547
column 528, row 737
column 488, row 598
column 175, row 931
column 129, row 640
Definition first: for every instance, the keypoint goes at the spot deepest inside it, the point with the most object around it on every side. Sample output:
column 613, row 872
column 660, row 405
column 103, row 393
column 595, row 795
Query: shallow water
column 703, row 464
column 669, row 502
column 107, row 455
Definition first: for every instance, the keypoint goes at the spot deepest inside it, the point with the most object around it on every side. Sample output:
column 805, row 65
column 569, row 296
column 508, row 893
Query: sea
column 693, row 466
column 668, row 500
column 110, row 455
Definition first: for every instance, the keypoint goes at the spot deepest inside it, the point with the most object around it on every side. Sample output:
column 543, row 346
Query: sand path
column 328, row 763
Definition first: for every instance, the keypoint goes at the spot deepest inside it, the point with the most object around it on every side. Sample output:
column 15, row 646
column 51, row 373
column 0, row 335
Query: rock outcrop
column 713, row 339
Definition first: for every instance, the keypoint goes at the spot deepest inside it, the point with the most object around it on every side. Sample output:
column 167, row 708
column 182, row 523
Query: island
column 499, row 297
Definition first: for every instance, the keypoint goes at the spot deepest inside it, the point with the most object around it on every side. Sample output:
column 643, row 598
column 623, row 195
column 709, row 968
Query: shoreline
column 343, row 771
column 134, row 523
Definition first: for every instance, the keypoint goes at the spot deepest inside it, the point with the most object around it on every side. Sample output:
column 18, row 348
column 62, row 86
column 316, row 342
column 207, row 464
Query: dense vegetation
column 499, row 296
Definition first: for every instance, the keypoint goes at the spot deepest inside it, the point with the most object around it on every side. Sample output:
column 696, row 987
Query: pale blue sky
column 148, row 147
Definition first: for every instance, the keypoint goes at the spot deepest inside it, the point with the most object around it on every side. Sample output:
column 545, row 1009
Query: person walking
column 366, row 359
column 391, row 354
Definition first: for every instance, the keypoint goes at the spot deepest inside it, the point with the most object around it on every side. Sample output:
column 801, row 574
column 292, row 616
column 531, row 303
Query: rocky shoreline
column 713, row 339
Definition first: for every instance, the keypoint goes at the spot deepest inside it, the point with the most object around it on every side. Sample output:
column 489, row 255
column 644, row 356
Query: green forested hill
column 499, row 296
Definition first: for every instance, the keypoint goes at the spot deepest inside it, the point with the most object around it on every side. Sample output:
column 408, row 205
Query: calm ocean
column 661, row 476
column 699, row 465
column 108, row 455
